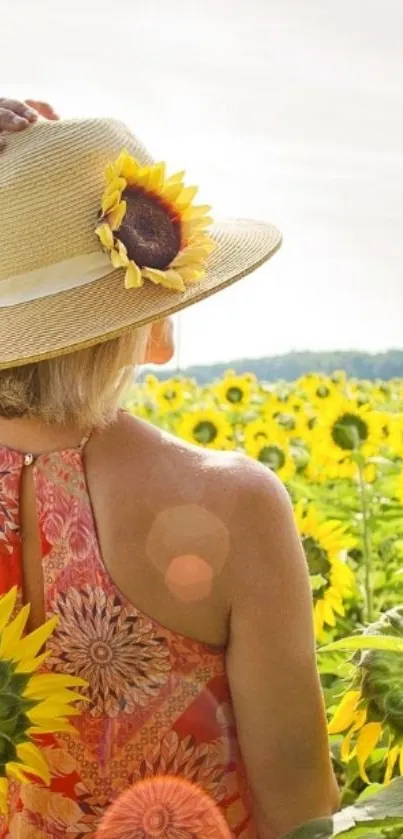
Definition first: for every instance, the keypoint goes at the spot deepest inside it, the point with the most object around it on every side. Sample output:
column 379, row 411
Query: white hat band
column 62, row 276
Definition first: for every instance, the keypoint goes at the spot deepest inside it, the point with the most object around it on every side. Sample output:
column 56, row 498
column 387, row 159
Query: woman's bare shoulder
column 227, row 478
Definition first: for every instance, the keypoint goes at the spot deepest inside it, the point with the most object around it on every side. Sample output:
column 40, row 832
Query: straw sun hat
column 95, row 239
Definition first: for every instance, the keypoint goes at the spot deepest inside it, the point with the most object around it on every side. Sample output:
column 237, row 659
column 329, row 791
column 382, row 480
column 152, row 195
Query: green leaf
column 381, row 810
column 389, row 643
column 317, row 581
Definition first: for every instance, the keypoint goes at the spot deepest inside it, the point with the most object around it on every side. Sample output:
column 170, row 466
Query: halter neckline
column 30, row 457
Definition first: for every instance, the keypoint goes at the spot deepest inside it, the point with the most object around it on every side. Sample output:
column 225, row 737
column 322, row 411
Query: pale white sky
column 286, row 110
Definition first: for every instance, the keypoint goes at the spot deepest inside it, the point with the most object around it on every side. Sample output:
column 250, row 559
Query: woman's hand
column 15, row 116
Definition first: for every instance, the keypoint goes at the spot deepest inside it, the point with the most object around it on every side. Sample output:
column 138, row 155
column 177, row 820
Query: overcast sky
column 286, row 110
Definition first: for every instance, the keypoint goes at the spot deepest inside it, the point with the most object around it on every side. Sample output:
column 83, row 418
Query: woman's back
column 177, row 575
column 128, row 553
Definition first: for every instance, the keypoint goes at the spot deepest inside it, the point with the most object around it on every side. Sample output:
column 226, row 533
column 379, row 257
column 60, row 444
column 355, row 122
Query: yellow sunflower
column 288, row 415
column 339, row 377
column 169, row 395
column 393, row 431
column 372, row 710
column 266, row 442
column 151, row 228
column 150, row 382
column 319, row 388
column 206, row 427
column 234, row 391
column 325, row 544
column 30, row 703
column 342, row 427
column 321, row 469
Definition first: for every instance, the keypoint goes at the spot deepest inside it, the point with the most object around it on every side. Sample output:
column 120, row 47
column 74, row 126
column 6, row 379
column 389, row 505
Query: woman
column 177, row 574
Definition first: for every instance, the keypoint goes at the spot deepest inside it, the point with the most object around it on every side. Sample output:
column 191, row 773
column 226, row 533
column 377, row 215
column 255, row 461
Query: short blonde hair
column 86, row 386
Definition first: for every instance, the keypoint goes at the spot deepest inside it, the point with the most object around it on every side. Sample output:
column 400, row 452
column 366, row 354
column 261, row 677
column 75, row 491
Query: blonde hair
column 86, row 386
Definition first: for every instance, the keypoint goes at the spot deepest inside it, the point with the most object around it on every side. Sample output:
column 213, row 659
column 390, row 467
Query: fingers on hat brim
column 43, row 108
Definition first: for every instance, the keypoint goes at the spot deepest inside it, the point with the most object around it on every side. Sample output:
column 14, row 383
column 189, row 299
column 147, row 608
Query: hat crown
column 51, row 183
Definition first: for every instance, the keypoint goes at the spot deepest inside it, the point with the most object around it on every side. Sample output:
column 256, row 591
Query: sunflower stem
column 366, row 542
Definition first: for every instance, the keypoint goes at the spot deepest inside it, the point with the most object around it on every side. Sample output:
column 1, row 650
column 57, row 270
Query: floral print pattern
column 159, row 717
column 119, row 654
column 164, row 808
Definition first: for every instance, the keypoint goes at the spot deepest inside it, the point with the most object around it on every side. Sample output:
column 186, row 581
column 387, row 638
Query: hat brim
column 103, row 309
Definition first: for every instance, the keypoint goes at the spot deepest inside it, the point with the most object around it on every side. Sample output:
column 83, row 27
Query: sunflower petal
column 29, row 646
column 118, row 184
column 189, row 256
column 110, row 201
column 16, row 771
column 11, row 635
column 196, row 211
column 62, row 726
column 29, row 665
column 45, row 684
column 345, row 713
column 7, row 606
column 118, row 261
column 171, row 192
column 392, row 757
column 116, row 216
column 186, row 197
column 133, row 277
column 360, row 719
column 345, row 751
column 33, row 760
column 197, row 224
column 367, row 739
column 123, row 252
column 169, row 279
column 105, row 235
column 143, row 177
column 3, row 796
column 123, row 161
column 111, row 172
column 191, row 274
column 157, row 175
column 328, row 615
column 177, row 178
column 318, row 618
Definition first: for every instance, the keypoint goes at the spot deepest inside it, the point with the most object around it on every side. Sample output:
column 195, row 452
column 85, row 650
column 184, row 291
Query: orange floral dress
column 159, row 702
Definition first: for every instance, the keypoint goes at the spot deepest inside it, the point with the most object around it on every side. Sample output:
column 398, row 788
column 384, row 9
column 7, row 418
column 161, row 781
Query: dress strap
column 84, row 441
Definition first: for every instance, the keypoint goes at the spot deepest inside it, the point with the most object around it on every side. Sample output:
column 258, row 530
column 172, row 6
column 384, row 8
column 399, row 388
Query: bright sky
column 285, row 110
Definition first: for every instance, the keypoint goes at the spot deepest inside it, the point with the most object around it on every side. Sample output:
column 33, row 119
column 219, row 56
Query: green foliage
column 347, row 492
column 291, row 366
column 368, row 818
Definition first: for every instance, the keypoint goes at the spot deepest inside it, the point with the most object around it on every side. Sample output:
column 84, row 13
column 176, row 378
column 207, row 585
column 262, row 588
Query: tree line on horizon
column 292, row 365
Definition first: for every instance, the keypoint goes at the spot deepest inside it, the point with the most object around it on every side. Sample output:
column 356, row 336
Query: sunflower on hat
column 150, row 226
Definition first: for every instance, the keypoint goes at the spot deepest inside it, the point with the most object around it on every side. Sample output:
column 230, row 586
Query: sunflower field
column 337, row 444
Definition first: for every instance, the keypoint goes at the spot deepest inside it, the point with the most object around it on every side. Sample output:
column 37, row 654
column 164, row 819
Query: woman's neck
column 32, row 435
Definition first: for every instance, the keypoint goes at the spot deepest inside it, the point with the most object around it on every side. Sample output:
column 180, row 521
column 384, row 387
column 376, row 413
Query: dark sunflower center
column 151, row 236
column 285, row 420
column 169, row 395
column 317, row 558
column 272, row 456
column 322, row 392
column 234, row 394
column 205, row 431
column 349, row 431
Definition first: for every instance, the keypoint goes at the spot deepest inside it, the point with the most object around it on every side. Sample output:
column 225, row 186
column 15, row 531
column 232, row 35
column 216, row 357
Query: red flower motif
column 164, row 808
